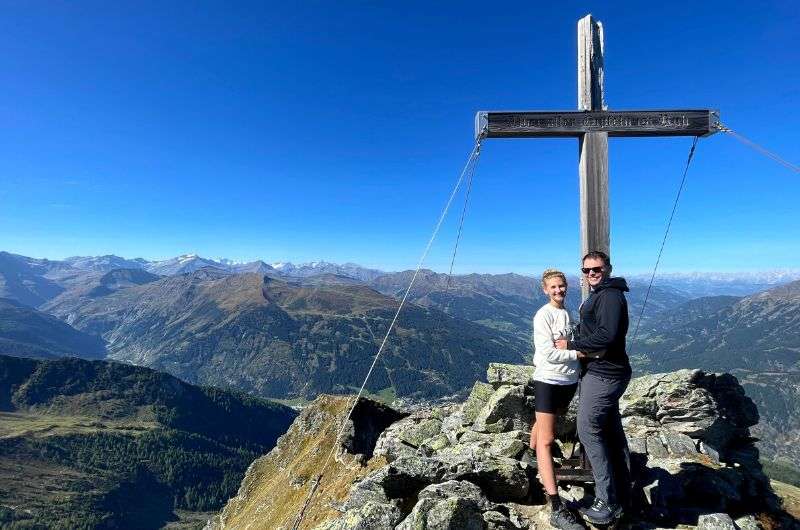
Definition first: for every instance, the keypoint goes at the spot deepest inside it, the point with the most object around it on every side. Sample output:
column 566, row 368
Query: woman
column 555, row 381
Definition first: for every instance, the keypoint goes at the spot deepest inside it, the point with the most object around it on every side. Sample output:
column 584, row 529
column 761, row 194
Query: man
column 602, row 329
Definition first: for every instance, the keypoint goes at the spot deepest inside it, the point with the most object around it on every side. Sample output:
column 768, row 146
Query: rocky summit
column 468, row 466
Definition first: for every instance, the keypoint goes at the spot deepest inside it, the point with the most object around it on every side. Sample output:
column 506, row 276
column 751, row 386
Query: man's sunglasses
column 587, row 270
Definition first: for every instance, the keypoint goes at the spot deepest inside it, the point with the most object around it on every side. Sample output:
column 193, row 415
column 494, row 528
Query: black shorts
column 553, row 399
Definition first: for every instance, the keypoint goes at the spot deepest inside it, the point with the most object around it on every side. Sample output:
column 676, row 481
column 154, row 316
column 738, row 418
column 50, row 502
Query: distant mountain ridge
column 192, row 262
column 505, row 302
column 28, row 280
column 315, row 268
column 697, row 284
column 104, row 263
column 26, row 332
column 34, row 281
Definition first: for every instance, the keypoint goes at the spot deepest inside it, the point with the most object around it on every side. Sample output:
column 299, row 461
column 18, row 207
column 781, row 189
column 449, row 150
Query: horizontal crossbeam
column 616, row 123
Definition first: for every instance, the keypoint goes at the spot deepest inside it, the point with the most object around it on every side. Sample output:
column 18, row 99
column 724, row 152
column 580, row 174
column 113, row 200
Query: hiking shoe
column 565, row 520
column 601, row 512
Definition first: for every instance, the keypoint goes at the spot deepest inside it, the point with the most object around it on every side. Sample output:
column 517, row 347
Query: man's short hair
column 596, row 254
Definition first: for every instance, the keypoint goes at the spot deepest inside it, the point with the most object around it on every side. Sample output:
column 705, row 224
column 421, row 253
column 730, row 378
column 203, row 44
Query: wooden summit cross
column 592, row 124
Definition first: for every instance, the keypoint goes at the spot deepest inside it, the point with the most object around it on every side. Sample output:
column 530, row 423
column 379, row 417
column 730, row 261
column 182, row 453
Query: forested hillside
column 285, row 339
column 98, row 444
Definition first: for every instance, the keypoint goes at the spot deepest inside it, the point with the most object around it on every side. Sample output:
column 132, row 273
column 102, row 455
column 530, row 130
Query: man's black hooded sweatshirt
column 604, row 324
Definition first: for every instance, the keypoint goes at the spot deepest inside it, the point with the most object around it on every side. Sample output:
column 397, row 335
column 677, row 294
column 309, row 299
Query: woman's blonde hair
column 553, row 273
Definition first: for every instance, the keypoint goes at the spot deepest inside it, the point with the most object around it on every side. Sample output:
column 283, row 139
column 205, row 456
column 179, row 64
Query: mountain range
column 760, row 332
column 286, row 332
column 43, row 276
column 192, row 262
column 697, row 284
column 506, row 302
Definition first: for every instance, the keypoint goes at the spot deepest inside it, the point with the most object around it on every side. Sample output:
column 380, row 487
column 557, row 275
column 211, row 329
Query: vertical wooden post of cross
column 593, row 146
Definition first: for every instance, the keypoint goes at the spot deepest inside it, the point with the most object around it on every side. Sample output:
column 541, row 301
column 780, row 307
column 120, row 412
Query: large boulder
column 404, row 437
column 711, row 408
column 455, row 505
column 692, row 453
column 502, row 479
column 409, row 474
column 451, row 513
column 369, row 489
column 509, row 408
column 457, row 488
column 368, row 516
column 716, row 521
column 509, row 374
column 478, row 397
column 509, row 444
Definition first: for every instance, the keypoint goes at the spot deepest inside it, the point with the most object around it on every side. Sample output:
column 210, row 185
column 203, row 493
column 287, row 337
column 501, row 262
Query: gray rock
column 497, row 521
column 656, row 447
column 407, row 475
column 370, row 516
column 509, row 374
column 637, row 430
column 452, row 513
column 423, row 431
column 501, row 479
column 402, row 438
column 520, row 521
column 481, row 392
column 709, row 407
column 572, row 492
column 392, row 448
column 435, row 444
column 369, row 489
column 748, row 522
column 637, row 445
column 452, row 423
column 709, row 451
column 640, row 426
column 678, row 444
column 509, row 444
column 449, row 505
column 457, row 488
column 506, row 410
column 716, row 521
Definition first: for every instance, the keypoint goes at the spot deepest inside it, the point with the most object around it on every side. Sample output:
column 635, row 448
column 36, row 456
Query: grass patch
column 277, row 484
column 781, row 471
column 387, row 395
column 292, row 402
column 26, row 424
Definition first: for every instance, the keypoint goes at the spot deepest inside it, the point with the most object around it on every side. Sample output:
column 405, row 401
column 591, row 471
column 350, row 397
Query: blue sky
column 335, row 130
